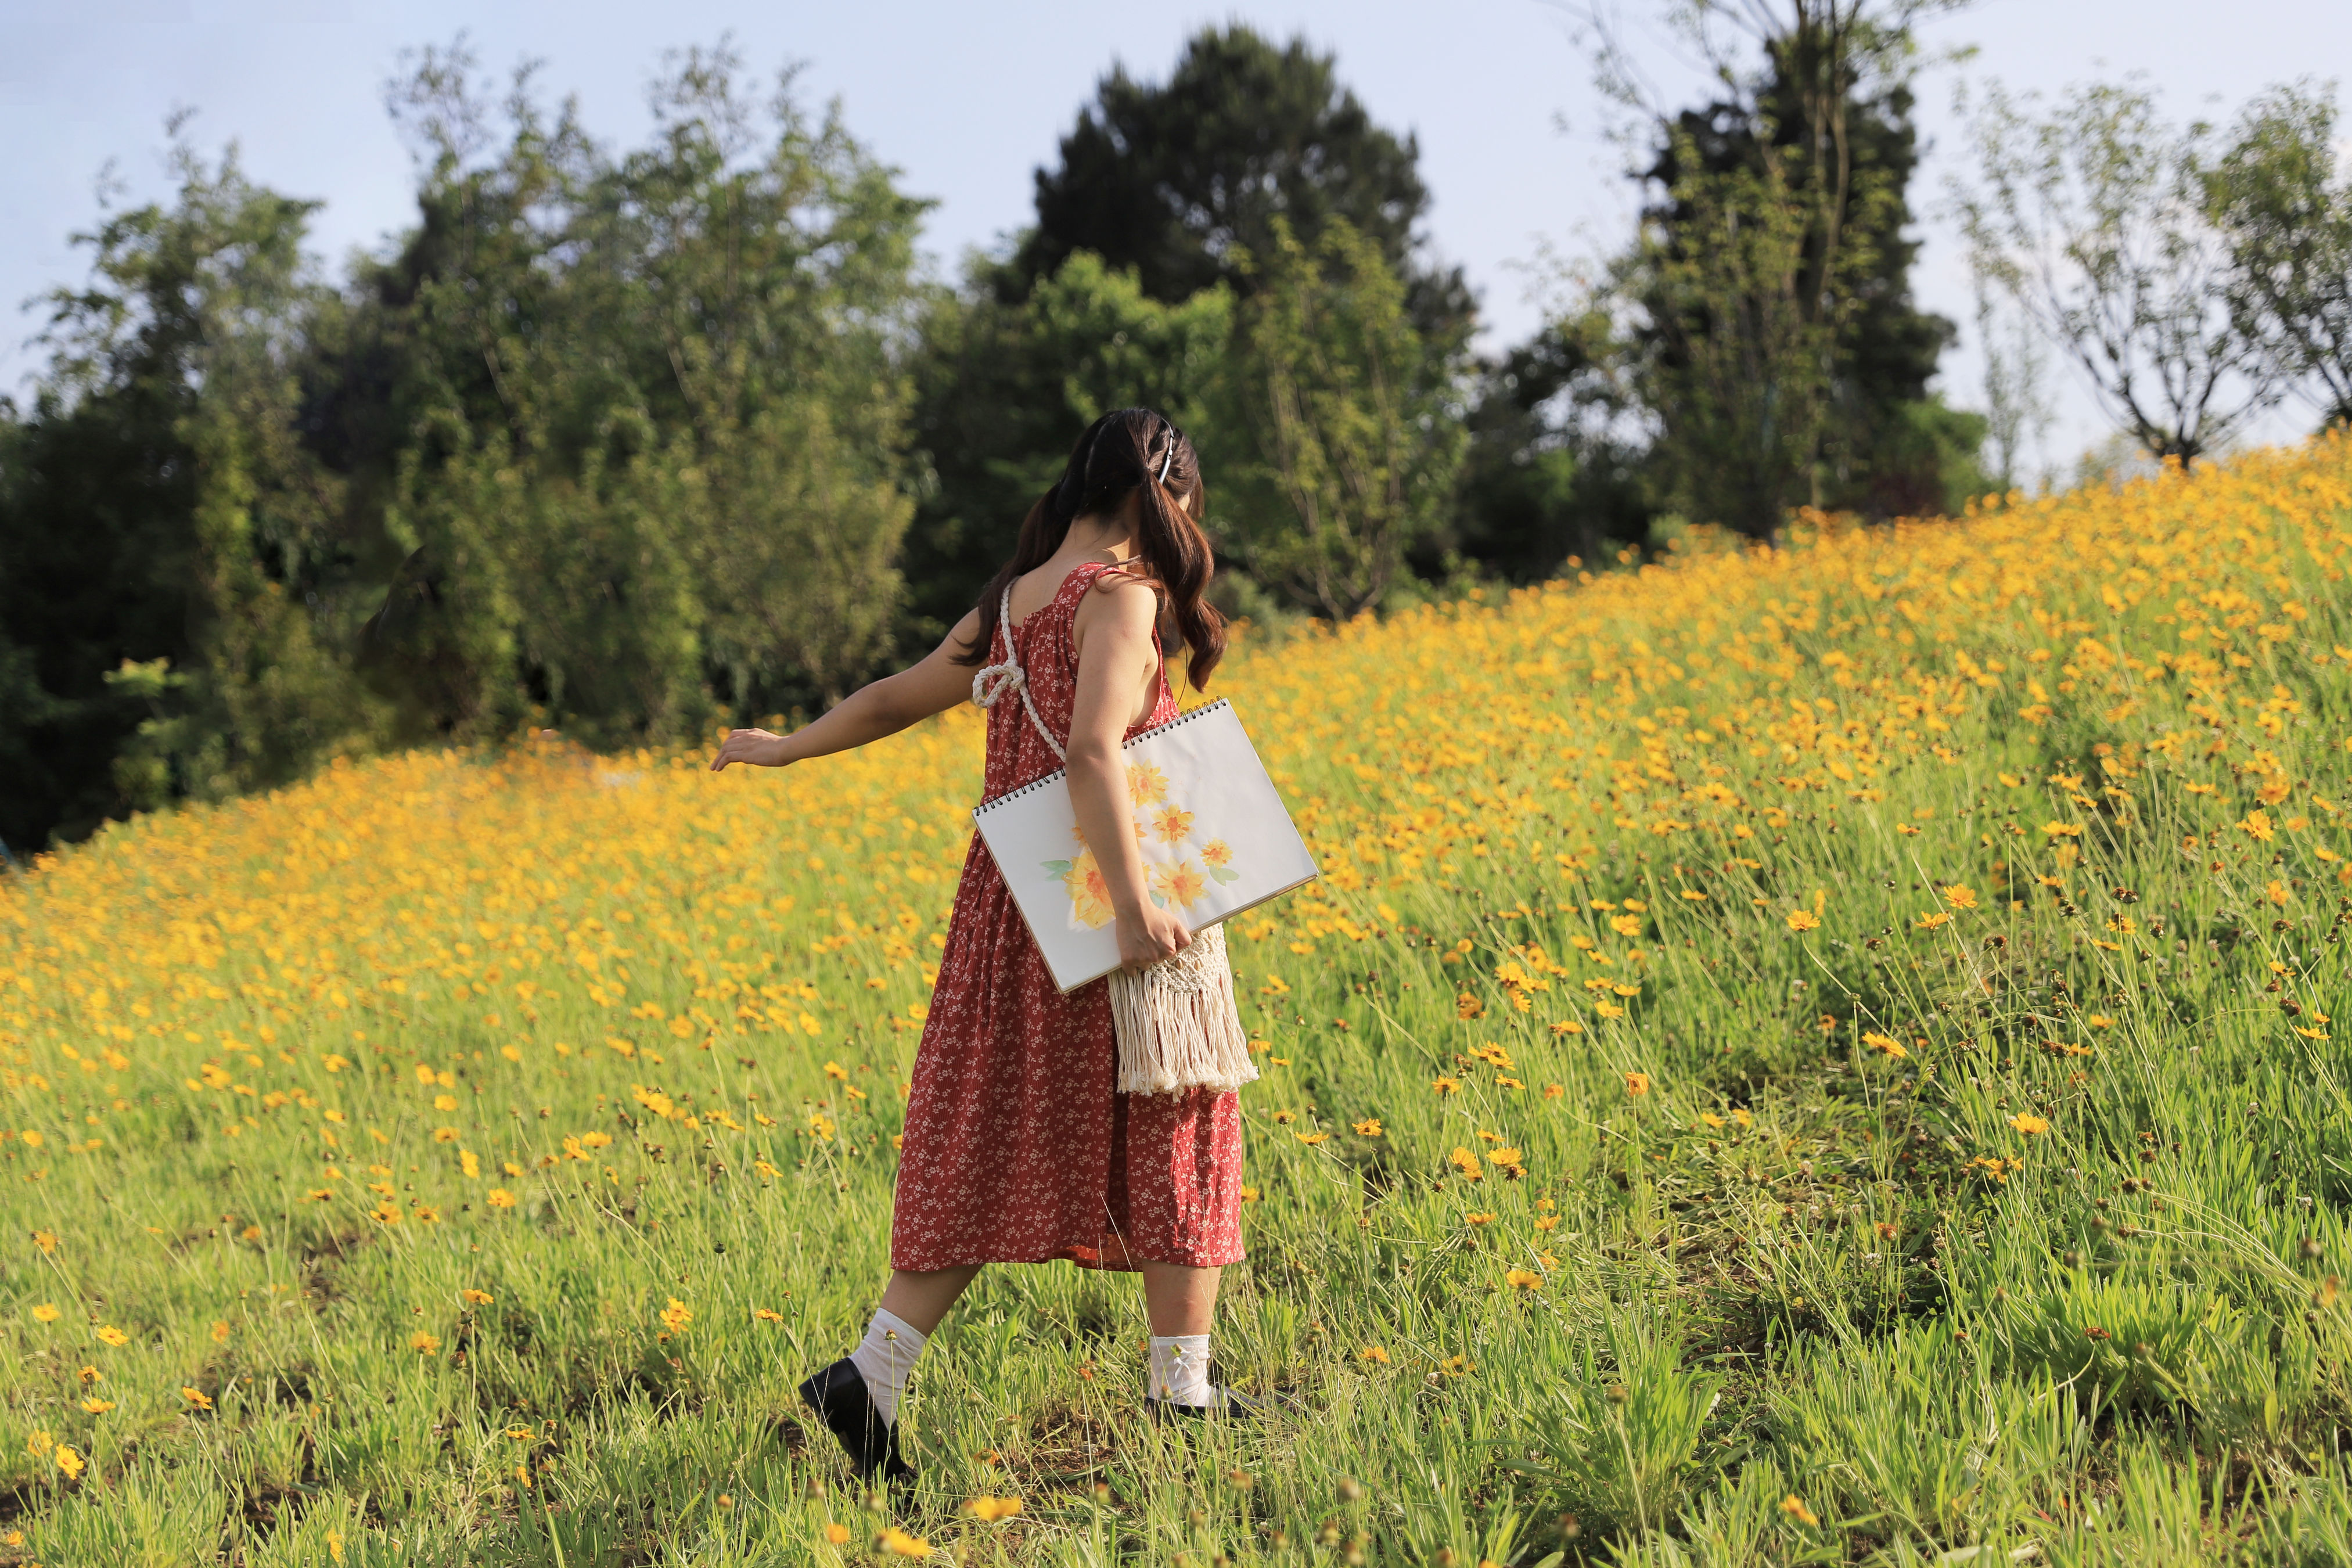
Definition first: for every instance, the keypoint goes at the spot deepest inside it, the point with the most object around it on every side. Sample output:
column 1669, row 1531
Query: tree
column 2017, row 404
column 1848, row 271
column 777, row 289
column 2285, row 212
column 648, row 412
column 1356, row 430
column 2094, row 219
column 169, row 553
column 1003, row 389
column 1161, row 191
column 614, row 439
column 1180, row 180
column 1552, row 473
column 1801, row 167
column 1742, row 339
column 798, row 543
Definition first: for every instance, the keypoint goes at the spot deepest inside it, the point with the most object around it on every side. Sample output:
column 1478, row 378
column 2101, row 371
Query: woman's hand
column 757, row 747
column 1151, row 935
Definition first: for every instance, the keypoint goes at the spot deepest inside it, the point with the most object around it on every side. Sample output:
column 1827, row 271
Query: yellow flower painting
column 1090, row 894
column 1217, row 862
column 1146, row 783
column 1181, row 884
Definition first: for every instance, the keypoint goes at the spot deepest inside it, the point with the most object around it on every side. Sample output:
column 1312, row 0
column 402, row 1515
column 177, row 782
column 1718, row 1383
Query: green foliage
column 1552, row 476
column 1939, row 451
column 2285, row 208
column 1747, row 332
column 1323, row 416
column 1785, row 354
column 163, row 533
column 1002, row 390
column 1352, row 409
column 1126, row 291
column 614, row 441
column 1180, row 180
column 648, row 412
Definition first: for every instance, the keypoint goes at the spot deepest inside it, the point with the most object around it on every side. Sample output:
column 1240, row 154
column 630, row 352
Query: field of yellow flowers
column 1811, row 1058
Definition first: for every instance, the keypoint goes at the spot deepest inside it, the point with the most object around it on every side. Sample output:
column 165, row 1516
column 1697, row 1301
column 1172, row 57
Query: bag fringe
column 1178, row 1025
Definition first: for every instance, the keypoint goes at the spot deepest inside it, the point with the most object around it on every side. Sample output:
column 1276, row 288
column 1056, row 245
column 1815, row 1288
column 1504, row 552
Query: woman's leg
column 921, row 1299
column 1182, row 1305
column 858, row 1395
column 1179, row 1300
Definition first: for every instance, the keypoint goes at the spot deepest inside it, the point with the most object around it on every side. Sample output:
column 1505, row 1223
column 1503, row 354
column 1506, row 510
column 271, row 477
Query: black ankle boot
column 839, row 1396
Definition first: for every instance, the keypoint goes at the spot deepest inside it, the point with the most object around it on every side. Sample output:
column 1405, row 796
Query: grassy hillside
column 1817, row 1057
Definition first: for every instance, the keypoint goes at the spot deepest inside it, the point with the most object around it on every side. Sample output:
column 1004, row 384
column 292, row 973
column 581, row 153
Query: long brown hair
column 1125, row 450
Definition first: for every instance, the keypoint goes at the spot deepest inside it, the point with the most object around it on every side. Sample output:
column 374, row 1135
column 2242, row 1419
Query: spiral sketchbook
column 1214, row 836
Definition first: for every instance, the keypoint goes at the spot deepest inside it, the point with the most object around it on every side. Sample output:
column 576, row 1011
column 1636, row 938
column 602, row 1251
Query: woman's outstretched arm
column 883, row 707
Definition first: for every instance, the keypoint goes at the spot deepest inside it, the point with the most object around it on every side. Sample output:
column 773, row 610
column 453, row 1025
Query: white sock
column 1180, row 1368
column 885, row 1358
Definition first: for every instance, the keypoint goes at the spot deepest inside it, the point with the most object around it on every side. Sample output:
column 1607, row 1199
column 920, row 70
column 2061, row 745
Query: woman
column 1017, row 1149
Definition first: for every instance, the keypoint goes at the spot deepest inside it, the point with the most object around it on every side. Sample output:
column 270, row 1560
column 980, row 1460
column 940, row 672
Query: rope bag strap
column 994, row 682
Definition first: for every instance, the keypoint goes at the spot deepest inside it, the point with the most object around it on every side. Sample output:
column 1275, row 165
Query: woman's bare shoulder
column 1121, row 597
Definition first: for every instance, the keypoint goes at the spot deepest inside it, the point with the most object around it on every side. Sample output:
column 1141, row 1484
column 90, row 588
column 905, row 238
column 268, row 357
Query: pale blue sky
column 967, row 100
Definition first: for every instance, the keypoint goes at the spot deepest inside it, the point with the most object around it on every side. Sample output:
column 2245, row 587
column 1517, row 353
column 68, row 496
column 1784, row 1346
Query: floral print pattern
column 1017, row 1149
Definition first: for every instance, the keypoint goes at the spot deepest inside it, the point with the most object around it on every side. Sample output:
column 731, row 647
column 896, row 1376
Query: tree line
column 631, row 441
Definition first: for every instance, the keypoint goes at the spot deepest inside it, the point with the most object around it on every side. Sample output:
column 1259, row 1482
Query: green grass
column 1787, row 1310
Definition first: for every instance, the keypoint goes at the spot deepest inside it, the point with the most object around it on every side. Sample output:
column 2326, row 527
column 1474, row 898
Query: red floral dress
column 1017, row 1149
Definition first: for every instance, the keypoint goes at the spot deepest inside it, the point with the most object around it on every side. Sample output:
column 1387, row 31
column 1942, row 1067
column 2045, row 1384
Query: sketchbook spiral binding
column 1060, row 774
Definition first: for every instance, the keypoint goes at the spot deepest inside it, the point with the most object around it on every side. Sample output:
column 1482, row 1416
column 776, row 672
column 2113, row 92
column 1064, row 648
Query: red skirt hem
column 1111, row 1256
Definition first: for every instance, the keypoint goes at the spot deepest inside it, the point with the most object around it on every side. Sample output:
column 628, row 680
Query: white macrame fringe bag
column 1177, row 1022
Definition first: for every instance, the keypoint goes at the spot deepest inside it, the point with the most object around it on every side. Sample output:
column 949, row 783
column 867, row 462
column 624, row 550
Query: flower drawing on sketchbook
column 1171, row 824
column 1090, row 894
column 1146, row 783
column 1182, row 883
